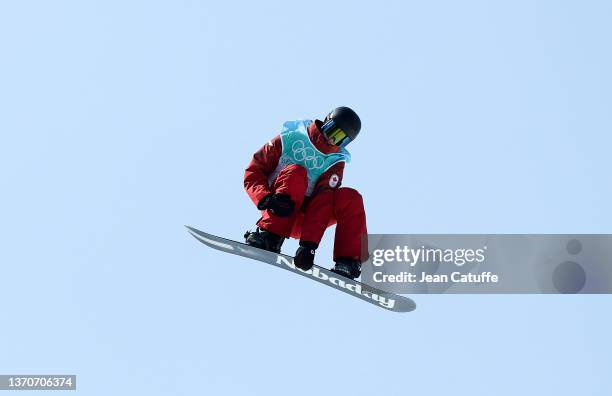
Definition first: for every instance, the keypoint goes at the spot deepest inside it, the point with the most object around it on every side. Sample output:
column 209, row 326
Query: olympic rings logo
column 306, row 155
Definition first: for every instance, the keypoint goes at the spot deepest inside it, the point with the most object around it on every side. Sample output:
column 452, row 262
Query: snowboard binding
column 347, row 267
column 263, row 239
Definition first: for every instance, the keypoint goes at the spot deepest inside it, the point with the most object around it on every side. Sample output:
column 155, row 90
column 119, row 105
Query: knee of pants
column 347, row 194
column 347, row 202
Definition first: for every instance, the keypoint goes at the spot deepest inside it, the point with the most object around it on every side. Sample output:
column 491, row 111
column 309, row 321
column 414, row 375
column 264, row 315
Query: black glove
column 304, row 256
column 278, row 204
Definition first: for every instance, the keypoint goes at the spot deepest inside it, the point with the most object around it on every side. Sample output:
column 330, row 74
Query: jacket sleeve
column 331, row 179
column 262, row 164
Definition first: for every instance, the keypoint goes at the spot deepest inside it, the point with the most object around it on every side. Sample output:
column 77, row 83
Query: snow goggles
column 335, row 135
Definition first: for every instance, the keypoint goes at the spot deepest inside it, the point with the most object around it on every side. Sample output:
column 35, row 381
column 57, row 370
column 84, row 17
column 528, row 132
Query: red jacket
column 266, row 159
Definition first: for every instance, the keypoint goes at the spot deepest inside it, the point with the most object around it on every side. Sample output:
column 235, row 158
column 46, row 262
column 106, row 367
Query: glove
column 278, row 204
column 304, row 256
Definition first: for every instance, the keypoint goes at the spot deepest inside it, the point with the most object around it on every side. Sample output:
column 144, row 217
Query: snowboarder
column 295, row 181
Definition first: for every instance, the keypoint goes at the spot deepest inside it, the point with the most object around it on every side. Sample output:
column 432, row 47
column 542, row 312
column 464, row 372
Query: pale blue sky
column 123, row 120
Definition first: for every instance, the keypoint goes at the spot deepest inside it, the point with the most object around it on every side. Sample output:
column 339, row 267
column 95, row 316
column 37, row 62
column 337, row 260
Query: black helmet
column 341, row 126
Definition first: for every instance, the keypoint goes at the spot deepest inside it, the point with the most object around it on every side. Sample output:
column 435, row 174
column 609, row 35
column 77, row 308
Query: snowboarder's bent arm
column 262, row 164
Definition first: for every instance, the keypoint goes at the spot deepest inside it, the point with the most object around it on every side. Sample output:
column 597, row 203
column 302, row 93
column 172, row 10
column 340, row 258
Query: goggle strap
column 345, row 141
column 327, row 125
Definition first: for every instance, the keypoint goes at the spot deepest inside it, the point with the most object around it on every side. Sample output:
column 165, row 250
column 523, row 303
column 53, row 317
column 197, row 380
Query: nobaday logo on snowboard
column 353, row 287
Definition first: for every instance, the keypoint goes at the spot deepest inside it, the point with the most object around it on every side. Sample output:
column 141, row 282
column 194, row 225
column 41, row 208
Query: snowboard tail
column 383, row 299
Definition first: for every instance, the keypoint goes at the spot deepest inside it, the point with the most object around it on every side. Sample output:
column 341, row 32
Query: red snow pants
column 342, row 206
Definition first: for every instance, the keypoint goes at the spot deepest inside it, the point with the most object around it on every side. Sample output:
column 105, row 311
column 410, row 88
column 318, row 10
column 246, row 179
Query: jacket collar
column 318, row 139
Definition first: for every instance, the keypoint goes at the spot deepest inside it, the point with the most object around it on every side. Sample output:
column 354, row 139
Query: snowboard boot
column 347, row 267
column 265, row 240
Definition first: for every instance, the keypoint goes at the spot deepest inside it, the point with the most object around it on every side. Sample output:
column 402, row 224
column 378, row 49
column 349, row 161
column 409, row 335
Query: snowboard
column 380, row 298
